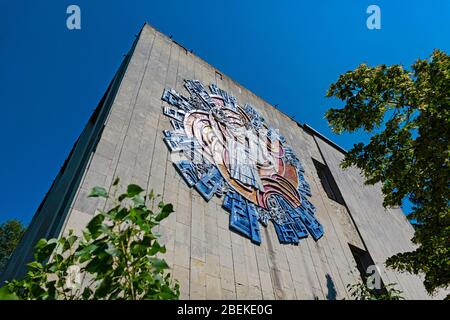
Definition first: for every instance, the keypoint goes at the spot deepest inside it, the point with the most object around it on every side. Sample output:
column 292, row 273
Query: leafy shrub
column 117, row 256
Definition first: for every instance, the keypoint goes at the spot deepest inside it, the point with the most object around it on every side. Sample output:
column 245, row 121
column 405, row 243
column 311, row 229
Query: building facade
column 289, row 224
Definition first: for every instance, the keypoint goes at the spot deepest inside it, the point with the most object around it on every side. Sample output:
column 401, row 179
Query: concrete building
column 213, row 256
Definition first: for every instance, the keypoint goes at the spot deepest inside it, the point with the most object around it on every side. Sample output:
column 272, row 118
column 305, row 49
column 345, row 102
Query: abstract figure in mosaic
column 221, row 148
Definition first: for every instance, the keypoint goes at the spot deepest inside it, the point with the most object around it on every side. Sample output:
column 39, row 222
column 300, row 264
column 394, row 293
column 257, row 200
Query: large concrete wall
column 208, row 259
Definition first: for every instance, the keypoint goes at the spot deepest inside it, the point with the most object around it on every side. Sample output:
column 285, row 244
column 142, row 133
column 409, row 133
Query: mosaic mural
column 223, row 149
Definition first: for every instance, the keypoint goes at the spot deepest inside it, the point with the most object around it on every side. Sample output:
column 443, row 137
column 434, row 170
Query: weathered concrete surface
column 210, row 261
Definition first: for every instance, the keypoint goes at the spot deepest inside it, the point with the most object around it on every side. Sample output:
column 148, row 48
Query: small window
column 328, row 182
column 218, row 75
column 363, row 261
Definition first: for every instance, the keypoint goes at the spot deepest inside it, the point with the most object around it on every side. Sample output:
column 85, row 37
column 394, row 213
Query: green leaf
column 103, row 288
column 158, row 264
column 87, row 292
column 70, row 242
column 44, row 249
column 86, row 235
column 156, row 247
column 5, row 294
column 116, row 181
column 94, row 265
column 111, row 213
column 138, row 249
column 112, row 250
column 95, row 224
column 166, row 210
column 98, row 192
column 138, row 200
column 121, row 214
column 36, row 290
column 148, row 238
column 85, row 252
column 41, row 244
column 133, row 190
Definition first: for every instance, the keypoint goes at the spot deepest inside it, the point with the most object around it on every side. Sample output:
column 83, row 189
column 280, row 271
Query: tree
column 11, row 232
column 407, row 114
column 117, row 254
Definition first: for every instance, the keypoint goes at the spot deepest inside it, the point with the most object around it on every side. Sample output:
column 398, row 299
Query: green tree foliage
column 361, row 291
column 407, row 114
column 118, row 255
column 10, row 234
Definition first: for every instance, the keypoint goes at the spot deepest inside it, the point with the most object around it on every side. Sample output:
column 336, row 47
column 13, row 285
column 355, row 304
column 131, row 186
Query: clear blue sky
column 287, row 52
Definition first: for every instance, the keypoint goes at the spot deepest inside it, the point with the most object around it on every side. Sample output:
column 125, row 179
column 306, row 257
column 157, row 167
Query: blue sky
column 287, row 52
